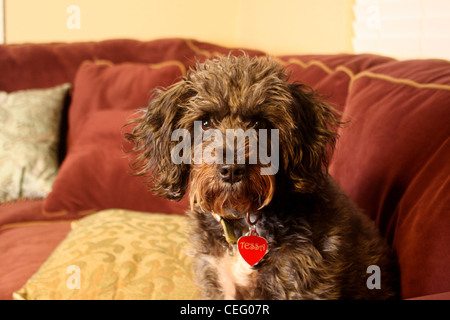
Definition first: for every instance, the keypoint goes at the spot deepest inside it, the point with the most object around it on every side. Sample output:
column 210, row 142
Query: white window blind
column 403, row 29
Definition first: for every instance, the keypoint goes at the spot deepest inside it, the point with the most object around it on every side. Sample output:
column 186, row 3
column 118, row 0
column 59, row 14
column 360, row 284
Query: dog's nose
column 232, row 173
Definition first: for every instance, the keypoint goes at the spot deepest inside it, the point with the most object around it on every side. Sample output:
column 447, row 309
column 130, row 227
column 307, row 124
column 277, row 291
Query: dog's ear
column 152, row 142
column 313, row 138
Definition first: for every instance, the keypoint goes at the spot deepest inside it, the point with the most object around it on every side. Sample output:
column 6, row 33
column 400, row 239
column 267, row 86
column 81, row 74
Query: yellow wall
column 2, row 25
column 291, row 26
column 276, row 26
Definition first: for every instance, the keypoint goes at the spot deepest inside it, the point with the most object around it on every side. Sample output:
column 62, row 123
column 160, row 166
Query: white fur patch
column 232, row 270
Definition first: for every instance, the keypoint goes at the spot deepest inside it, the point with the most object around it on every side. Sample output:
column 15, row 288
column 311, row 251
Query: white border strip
column 2, row 21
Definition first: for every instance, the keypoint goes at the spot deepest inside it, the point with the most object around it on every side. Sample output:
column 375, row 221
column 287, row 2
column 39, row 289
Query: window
column 403, row 29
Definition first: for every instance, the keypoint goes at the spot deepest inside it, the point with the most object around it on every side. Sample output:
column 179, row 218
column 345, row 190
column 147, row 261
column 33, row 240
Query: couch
column 75, row 224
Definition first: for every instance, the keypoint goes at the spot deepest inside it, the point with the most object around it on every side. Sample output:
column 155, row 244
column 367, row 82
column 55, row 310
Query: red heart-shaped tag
column 252, row 248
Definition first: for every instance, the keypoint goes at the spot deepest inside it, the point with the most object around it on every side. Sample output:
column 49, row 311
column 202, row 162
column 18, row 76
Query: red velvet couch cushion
column 329, row 75
column 24, row 248
column 392, row 159
column 29, row 66
column 95, row 174
column 421, row 226
column 101, row 85
column 21, row 210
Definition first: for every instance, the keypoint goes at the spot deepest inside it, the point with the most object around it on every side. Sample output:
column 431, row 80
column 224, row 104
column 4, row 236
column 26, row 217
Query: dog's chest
column 234, row 274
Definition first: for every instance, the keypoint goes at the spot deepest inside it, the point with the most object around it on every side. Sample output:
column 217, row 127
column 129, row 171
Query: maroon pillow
column 101, row 85
column 95, row 174
column 392, row 159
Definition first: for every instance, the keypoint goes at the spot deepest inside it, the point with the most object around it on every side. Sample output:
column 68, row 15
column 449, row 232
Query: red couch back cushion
column 128, row 86
column 329, row 75
column 100, row 88
column 95, row 174
column 393, row 160
column 28, row 66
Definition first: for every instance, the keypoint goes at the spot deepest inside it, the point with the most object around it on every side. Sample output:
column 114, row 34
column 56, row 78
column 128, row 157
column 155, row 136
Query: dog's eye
column 260, row 124
column 206, row 124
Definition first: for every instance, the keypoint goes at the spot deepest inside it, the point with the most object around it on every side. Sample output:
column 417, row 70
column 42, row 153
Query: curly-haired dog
column 319, row 244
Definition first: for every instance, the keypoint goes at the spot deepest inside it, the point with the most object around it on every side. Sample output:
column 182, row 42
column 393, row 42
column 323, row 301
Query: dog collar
column 228, row 230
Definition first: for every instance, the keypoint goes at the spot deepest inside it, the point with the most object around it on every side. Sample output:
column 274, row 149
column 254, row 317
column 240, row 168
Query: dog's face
column 218, row 103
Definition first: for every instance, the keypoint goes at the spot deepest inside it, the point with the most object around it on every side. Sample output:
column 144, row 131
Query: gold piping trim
column 31, row 224
column 299, row 62
column 197, row 50
column 65, row 212
column 362, row 74
column 412, row 83
column 99, row 62
column 345, row 70
column 163, row 64
column 157, row 65
column 316, row 63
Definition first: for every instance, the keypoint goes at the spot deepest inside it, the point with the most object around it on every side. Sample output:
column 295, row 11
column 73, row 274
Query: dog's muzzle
column 232, row 173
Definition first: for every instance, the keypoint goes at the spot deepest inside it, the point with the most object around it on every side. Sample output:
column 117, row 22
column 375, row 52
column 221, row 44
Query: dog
column 312, row 241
